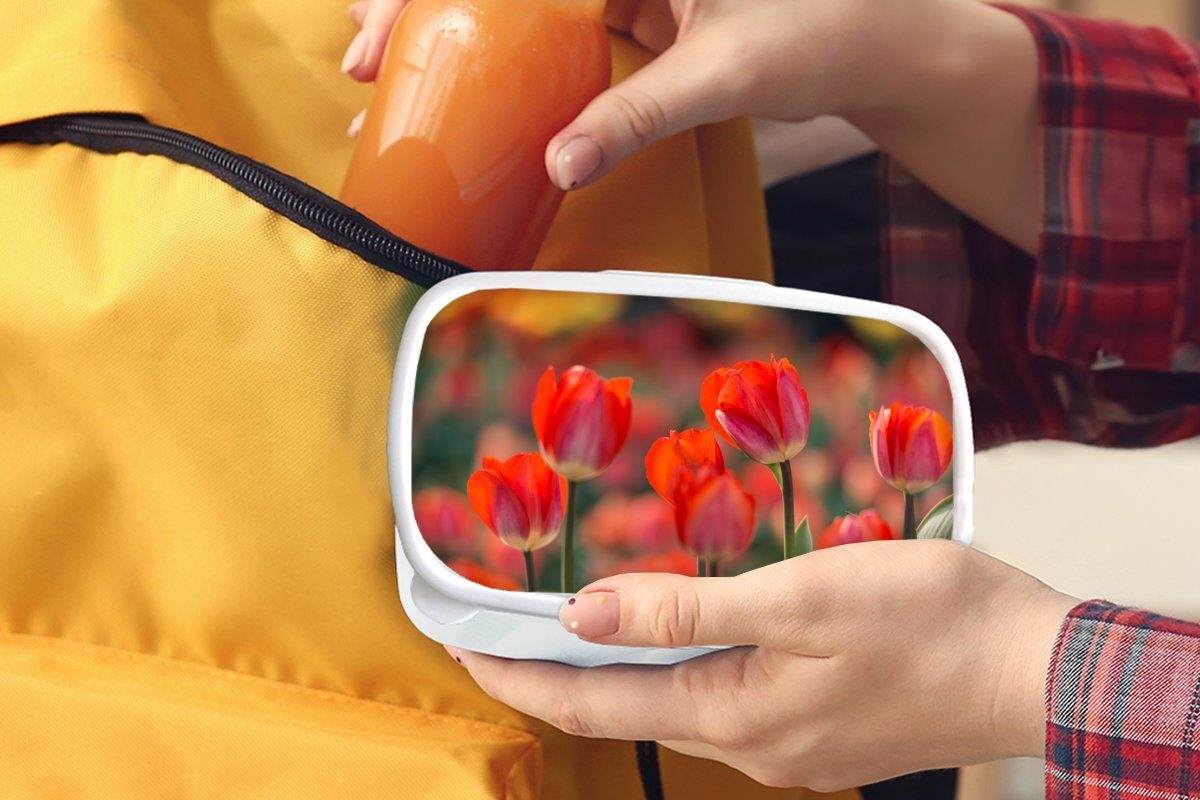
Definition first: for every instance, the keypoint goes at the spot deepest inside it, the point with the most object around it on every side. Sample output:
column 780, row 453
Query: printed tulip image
column 680, row 436
column 911, row 446
column 521, row 501
column 677, row 456
column 763, row 410
column 482, row 575
column 714, row 516
column 444, row 517
column 581, row 422
column 866, row 526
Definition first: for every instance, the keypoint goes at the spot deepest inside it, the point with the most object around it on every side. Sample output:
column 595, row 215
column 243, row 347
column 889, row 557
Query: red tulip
column 444, row 519
column 759, row 407
column 714, row 514
column 581, row 421
column 672, row 457
column 481, row 575
column 520, row 500
column 911, row 446
column 867, row 526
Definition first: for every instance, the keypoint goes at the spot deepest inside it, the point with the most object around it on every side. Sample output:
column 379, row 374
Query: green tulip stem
column 530, row 575
column 568, row 551
column 789, row 509
column 910, row 516
column 701, row 568
column 712, row 568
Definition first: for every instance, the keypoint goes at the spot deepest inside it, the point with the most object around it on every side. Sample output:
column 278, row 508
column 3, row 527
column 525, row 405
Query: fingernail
column 356, row 125
column 577, row 161
column 356, row 52
column 454, row 652
column 592, row 614
column 357, row 11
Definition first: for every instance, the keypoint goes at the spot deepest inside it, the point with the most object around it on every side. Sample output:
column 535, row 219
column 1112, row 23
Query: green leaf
column 777, row 471
column 939, row 522
column 804, row 541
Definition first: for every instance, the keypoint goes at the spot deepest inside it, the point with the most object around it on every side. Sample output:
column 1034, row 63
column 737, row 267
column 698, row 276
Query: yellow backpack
column 197, row 589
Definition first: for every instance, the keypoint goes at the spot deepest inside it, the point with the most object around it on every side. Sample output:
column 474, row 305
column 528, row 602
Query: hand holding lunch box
column 552, row 428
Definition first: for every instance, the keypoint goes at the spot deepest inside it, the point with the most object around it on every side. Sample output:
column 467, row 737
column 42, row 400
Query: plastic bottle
column 452, row 150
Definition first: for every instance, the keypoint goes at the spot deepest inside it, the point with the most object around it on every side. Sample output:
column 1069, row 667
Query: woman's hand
column 852, row 664
column 947, row 87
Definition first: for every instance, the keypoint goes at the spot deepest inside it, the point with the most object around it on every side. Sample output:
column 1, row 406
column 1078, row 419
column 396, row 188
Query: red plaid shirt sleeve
column 1116, row 272
column 1123, row 706
column 1097, row 339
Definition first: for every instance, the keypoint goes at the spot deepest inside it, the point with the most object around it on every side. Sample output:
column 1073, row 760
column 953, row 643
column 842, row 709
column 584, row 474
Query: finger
column 654, row 26
column 356, row 124
column 644, row 610
column 685, row 86
column 616, row 702
column 365, row 53
column 358, row 11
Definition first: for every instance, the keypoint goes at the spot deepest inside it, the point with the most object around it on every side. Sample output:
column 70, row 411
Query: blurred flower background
column 485, row 353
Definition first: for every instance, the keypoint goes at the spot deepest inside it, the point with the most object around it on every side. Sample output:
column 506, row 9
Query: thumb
column 680, row 89
column 651, row 610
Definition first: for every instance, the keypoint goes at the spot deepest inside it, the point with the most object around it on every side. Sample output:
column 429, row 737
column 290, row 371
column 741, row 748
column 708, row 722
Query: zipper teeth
column 391, row 248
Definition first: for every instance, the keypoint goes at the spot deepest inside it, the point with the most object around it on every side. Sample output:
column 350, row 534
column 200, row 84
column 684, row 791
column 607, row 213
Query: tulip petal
column 585, row 423
column 710, row 390
column 750, row 391
column 757, row 443
column 891, row 429
column 521, row 475
column 543, row 400
column 619, row 388
column 794, row 412
column 500, row 509
column 911, row 445
column 575, row 436
column 618, row 412
column 540, row 493
column 880, row 452
column 663, row 467
column 923, row 466
column 717, row 521
column 944, row 435
column 673, row 456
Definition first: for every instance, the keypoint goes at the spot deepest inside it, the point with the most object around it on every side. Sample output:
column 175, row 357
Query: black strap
column 648, row 770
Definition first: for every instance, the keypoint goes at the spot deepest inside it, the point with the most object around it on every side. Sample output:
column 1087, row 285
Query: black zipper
column 318, row 212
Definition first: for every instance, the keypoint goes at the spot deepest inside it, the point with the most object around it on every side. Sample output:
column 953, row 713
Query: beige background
column 1095, row 523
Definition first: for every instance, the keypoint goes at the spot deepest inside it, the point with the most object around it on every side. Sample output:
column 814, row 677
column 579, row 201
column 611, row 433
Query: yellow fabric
column 197, row 591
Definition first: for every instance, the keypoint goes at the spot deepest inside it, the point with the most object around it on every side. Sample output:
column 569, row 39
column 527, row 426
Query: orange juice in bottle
column 452, row 150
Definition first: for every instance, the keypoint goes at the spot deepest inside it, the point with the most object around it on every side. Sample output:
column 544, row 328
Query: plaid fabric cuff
column 1121, row 133
column 1123, row 703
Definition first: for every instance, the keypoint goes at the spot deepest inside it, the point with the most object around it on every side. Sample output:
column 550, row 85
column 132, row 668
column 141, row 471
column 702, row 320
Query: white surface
column 453, row 610
column 1117, row 524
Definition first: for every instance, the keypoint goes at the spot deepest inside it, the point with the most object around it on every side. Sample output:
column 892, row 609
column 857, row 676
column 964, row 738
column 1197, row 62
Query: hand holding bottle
column 947, row 87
